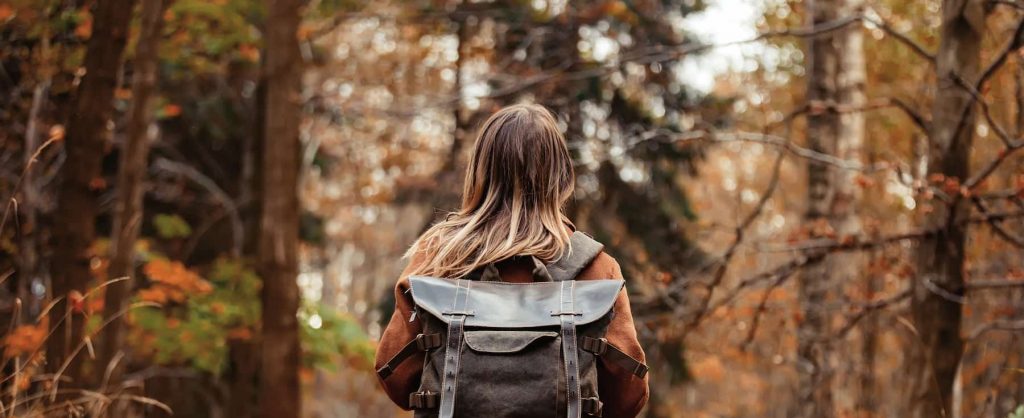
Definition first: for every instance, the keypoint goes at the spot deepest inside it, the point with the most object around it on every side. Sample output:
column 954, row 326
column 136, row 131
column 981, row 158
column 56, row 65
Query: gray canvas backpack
column 501, row 350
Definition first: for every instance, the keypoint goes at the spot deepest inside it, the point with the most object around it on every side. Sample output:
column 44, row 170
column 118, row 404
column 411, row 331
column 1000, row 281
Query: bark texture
column 847, row 268
column 814, row 396
column 85, row 142
column 130, row 177
column 936, row 313
column 279, row 226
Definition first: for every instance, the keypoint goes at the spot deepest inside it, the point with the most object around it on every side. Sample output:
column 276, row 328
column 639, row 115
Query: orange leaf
column 171, row 110
column 57, row 133
column 6, row 11
column 84, row 28
column 97, row 183
column 76, row 301
column 24, row 339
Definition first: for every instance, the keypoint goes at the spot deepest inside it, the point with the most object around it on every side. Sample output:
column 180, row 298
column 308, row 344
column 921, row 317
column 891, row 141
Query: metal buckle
column 598, row 346
column 427, row 342
column 640, row 370
column 423, row 400
column 592, row 406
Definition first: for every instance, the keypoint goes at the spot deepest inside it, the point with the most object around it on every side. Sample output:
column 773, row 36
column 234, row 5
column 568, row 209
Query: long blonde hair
column 517, row 183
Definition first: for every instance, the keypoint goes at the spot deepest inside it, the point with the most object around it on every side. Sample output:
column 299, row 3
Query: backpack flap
column 508, row 305
column 504, row 342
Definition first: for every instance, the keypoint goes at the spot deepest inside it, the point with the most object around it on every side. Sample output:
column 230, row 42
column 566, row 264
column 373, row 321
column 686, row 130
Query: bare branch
column 1002, row 325
column 993, row 284
column 865, row 310
column 723, row 266
column 902, row 38
column 997, row 226
column 773, row 140
column 222, row 197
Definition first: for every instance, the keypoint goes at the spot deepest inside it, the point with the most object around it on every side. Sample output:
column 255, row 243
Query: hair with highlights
column 517, row 183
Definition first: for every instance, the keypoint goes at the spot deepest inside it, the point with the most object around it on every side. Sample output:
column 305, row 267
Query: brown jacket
column 623, row 394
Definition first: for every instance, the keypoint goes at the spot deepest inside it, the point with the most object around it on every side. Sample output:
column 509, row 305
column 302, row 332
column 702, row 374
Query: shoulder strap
column 582, row 250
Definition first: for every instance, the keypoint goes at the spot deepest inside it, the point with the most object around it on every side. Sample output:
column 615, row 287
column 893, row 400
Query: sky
column 722, row 22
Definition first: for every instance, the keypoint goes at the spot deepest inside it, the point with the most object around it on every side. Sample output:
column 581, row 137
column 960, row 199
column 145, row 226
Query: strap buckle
column 423, row 400
column 427, row 342
column 385, row 371
column 598, row 346
column 591, row 406
column 640, row 370
column 560, row 313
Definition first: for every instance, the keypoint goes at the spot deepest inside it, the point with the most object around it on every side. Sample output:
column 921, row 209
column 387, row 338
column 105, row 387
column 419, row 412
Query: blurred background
column 817, row 204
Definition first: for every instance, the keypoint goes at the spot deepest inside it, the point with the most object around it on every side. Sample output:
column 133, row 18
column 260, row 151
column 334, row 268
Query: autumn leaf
column 6, row 11
column 76, row 301
column 169, row 110
column 240, row 333
column 97, row 183
column 56, row 133
column 24, row 339
column 249, row 53
column 123, row 93
column 84, row 28
column 177, row 280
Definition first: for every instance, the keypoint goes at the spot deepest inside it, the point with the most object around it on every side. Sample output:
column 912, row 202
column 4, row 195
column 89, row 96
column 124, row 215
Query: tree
column 940, row 256
column 77, row 203
column 279, row 226
column 851, row 77
column 823, row 125
column 128, row 213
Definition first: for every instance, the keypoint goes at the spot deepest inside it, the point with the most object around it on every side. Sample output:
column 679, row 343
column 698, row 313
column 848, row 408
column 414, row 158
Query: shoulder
column 416, row 259
column 604, row 266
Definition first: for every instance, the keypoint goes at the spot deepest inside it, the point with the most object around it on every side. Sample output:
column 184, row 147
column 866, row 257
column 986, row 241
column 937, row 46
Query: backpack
column 501, row 350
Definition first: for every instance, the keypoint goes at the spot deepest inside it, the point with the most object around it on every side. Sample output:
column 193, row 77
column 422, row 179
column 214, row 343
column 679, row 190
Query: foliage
column 327, row 333
column 171, row 226
column 199, row 316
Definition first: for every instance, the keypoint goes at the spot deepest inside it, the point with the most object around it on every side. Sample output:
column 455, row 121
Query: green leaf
column 171, row 226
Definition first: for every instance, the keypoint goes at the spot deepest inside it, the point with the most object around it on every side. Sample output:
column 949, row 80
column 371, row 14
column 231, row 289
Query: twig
column 903, row 38
column 773, row 184
column 1001, row 325
column 12, row 201
column 997, row 226
column 866, row 309
column 222, row 197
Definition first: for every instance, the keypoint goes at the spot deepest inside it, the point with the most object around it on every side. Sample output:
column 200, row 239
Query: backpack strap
column 602, row 348
column 453, row 348
column 422, row 342
column 582, row 250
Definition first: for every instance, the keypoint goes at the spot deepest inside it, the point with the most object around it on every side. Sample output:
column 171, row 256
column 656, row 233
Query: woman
column 517, row 184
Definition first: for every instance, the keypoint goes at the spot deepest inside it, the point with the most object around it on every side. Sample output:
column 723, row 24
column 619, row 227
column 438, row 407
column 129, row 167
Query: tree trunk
column 279, row 227
column 814, row 384
column 28, row 207
column 940, row 257
column 74, row 229
column 846, row 268
column 128, row 212
column 244, row 354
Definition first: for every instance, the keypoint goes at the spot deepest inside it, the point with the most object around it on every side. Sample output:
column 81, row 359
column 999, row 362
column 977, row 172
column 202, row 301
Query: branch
column 866, row 309
column 1012, row 45
column 1001, row 325
column 773, row 184
column 993, row 284
column 773, row 140
column 903, row 38
column 219, row 194
column 997, row 226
